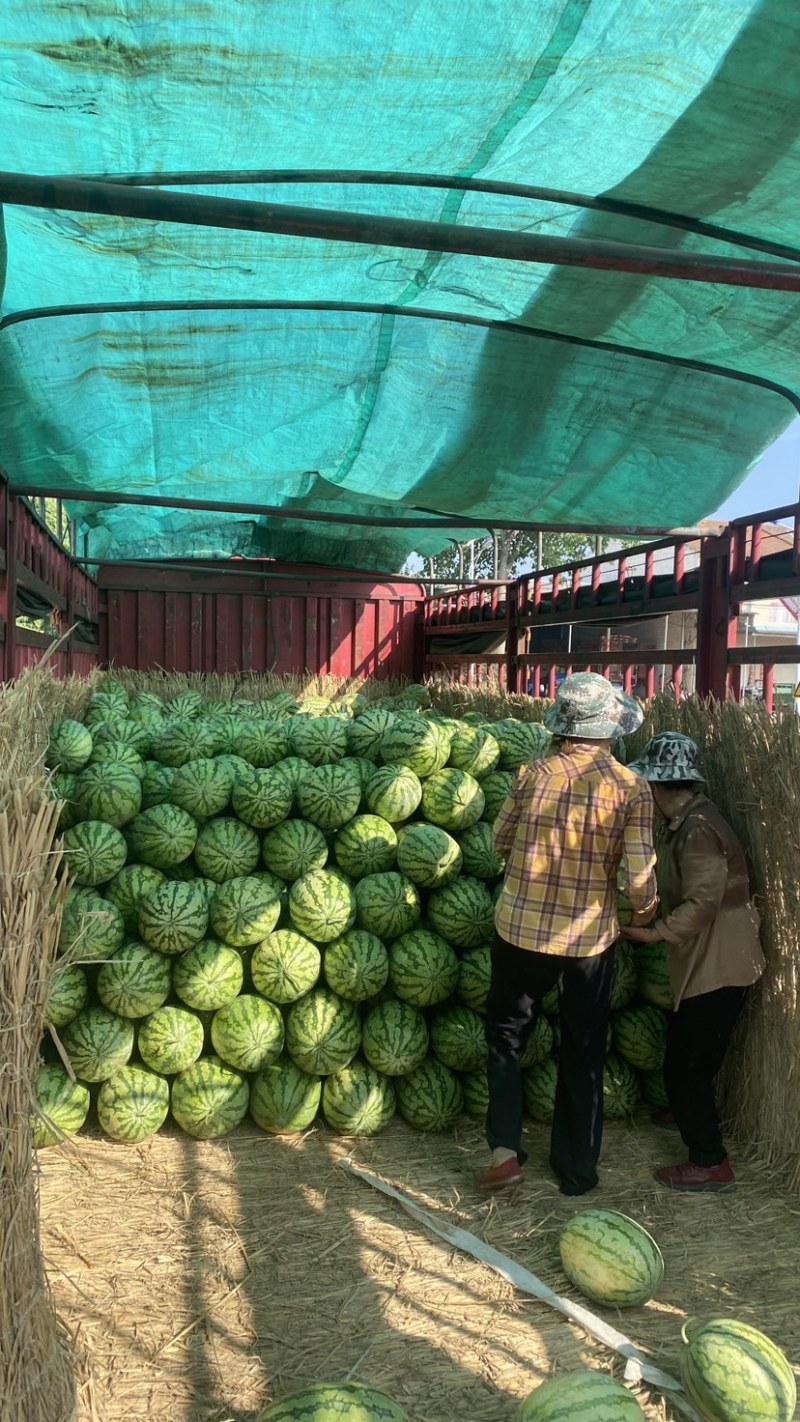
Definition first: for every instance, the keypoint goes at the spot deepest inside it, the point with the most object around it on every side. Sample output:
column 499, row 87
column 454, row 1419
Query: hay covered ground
column 202, row 1280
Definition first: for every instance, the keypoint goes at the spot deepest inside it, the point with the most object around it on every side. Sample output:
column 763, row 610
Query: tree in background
column 511, row 552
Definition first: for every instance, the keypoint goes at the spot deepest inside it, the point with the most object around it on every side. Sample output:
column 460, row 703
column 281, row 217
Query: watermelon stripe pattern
column 610, row 1258
column 580, row 1397
column 734, row 1373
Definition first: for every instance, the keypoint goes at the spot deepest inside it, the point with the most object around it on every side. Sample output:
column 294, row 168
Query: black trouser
column 697, row 1039
column 520, row 980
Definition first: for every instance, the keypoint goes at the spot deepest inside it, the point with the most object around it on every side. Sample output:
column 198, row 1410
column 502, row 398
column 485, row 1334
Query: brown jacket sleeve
column 704, row 877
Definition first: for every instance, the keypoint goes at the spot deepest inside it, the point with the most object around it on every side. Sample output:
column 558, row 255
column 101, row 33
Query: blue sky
column 773, row 482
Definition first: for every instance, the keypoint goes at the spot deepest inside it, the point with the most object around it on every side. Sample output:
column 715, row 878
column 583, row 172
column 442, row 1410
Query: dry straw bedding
column 201, row 1280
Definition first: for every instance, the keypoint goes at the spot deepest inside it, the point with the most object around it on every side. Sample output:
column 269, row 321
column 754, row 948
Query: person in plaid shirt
column 571, row 821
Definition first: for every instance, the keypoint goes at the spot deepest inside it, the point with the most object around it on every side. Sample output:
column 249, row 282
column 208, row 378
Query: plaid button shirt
column 570, row 822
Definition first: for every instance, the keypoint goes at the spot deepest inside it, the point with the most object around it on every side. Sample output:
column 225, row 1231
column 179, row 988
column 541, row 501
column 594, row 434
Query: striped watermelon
column 654, row 1090
column 284, row 1099
column 364, row 735
column 162, row 836
column 174, row 916
column 394, row 1037
column 363, row 770
column 475, row 976
column 293, row 770
column 356, row 965
column 209, row 1099
column 209, row 976
column 226, row 849
column 62, row 1106
column 285, row 966
column 137, row 980
column 462, row 912
column 640, row 1036
column 91, row 929
column 520, row 742
column 387, row 904
column 179, row 740
column 94, row 852
column 621, row 1089
column 610, row 1258
column 123, row 732
column 480, row 858
column 394, row 792
column 202, row 788
column 133, row 1104
column 145, row 706
column 67, row 994
column 452, row 799
column 117, row 753
column 428, row 856
column 321, row 740
column 539, row 1089
column 358, row 1101
column 539, row 1044
column 495, row 789
column 367, row 845
column 188, row 704
column 411, row 740
column 430, row 1098
column 98, row 1043
column 335, row 1402
column 127, row 889
column 734, row 1373
column 322, row 906
column 625, row 981
column 157, row 783
column 580, row 1397
column 474, row 750
column 475, row 1086
column 458, row 1038
column 261, row 742
column 248, row 1033
column 323, row 1032
column 69, row 746
column 652, row 975
column 329, row 795
column 170, row 1039
column 261, row 798
column 293, row 849
column 108, row 792
column 243, row 911
column 62, row 787
column 423, row 968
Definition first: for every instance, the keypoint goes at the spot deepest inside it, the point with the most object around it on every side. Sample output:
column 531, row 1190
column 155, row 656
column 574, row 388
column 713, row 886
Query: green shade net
column 687, row 107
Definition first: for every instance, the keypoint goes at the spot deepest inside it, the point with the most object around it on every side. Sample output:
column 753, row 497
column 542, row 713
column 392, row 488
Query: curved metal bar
column 333, row 225
column 561, row 197
column 418, row 313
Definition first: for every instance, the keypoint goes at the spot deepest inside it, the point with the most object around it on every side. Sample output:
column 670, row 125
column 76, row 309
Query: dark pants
column 519, row 982
column 697, row 1039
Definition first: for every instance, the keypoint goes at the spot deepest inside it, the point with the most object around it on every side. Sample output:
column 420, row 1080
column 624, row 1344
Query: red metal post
column 513, row 632
column 755, row 553
column 716, row 620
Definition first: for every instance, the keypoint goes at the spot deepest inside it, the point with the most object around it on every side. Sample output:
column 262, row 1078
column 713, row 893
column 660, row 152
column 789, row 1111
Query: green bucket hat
column 668, row 756
column 588, row 708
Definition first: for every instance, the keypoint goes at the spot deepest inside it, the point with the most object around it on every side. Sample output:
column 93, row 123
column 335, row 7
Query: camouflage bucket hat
column 588, row 708
column 668, row 756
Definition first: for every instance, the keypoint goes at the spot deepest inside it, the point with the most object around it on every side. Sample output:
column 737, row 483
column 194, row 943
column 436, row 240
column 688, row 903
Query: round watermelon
column 428, row 856
column 294, row 848
column 732, row 1372
column 335, row 1402
column 157, row 783
column 364, row 735
column 62, row 787
column 358, row 1101
column 621, row 1090
column 495, row 789
column 475, row 1086
column 107, row 791
column 133, row 1104
column 323, row 1032
column 262, row 743
column 94, row 852
column 625, row 982
column 226, row 849
column 321, row 740
column 479, row 856
column 202, row 788
column 248, row 1033
column 294, row 770
column 127, row 889
column 430, row 1098
column 610, row 1258
column 652, row 975
column 452, row 799
column 170, row 1039
column 209, row 1099
column 654, row 1090
column 91, row 928
column 394, row 792
column 394, row 1037
column 284, row 1099
column 244, row 910
column 329, row 795
column 62, row 1106
column 123, row 732
column 136, row 981
column 423, row 968
column 580, row 1397
column 174, row 916
column 474, row 750
column 69, row 746
column 116, row 753
column 322, row 906
column 462, row 912
column 162, row 836
column 640, row 1036
column 285, row 966
column 209, row 976
column 67, row 995
column 262, row 798
column 539, row 1089
column 540, row 1043
column 475, row 976
column 520, row 742
column 356, row 965
column 416, row 742
column 458, row 1038
column 387, row 904
column 179, row 740
column 188, row 704
column 98, row 1043
column 367, row 845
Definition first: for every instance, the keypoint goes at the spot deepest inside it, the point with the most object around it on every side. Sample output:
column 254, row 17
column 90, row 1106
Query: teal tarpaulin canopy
column 399, row 379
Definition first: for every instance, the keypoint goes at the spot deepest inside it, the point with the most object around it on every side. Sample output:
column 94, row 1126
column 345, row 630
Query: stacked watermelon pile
column 285, row 906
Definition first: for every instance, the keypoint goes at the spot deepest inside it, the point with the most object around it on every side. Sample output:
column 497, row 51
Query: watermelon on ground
column 733, row 1372
column 429, row 856
column 162, row 836
column 387, row 904
column 364, row 735
column 170, row 1039
column 285, row 966
column 394, row 1037
column 209, row 976
column 123, row 732
column 329, row 796
column 248, row 1033
column 67, row 994
column 321, row 740
column 580, row 1397
column 357, row 1100
column 458, row 1038
column 423, row 968
column 209, row 1099
column 621, row 1089
column 91, row 928
column 652, row 975
column 133, row 1104
column 127, row 889
column 394, row 792
column 179, row 740
column 294, row 848
column 366, row 845
column 475, row 976
column 539, row 1089
column 322, row 906
column 479, row 856
column 107, row 791
column 335, row 1402
column 540, row 1043
column 610, row 1258
column 202, row 788
column 356, row 965
column 174, row 916
column 475, row 1086
column 244, row 910
column 62, row 1106
column 157, row 783
column 94, row 852
column 452, row 799
column 462, row 912
column 625, row 981
column 262, row 798
column 474, row 750
column 261, row 742
column 416, row 742
column 136, row 981
column 226, row 849
column 323, row 1032
column 520, row 742
column 69, row 747
column 495, row 789
column 640, row 1036
column 98, row 1043
column 284, row 1099
column 430, row 1098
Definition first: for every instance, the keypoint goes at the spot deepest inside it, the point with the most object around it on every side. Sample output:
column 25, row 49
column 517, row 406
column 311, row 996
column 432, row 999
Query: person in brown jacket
column 711, row 931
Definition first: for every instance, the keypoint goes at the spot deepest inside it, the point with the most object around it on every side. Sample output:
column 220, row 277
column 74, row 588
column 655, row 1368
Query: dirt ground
column 200, row 1281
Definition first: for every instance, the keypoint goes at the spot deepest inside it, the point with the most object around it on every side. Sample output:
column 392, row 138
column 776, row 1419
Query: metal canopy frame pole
column 151, row 204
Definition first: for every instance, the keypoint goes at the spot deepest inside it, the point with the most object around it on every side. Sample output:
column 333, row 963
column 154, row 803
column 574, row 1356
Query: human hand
column 640, row 935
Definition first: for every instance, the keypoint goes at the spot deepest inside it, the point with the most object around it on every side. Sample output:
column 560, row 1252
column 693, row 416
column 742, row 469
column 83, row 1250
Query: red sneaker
column 695, row 1178
column 665, row 1119
column 500, row 1177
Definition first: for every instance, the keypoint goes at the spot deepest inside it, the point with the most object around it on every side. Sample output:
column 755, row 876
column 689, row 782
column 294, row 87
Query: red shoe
column 696, row 1178
column 500, row 1177
column 665, row 1119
